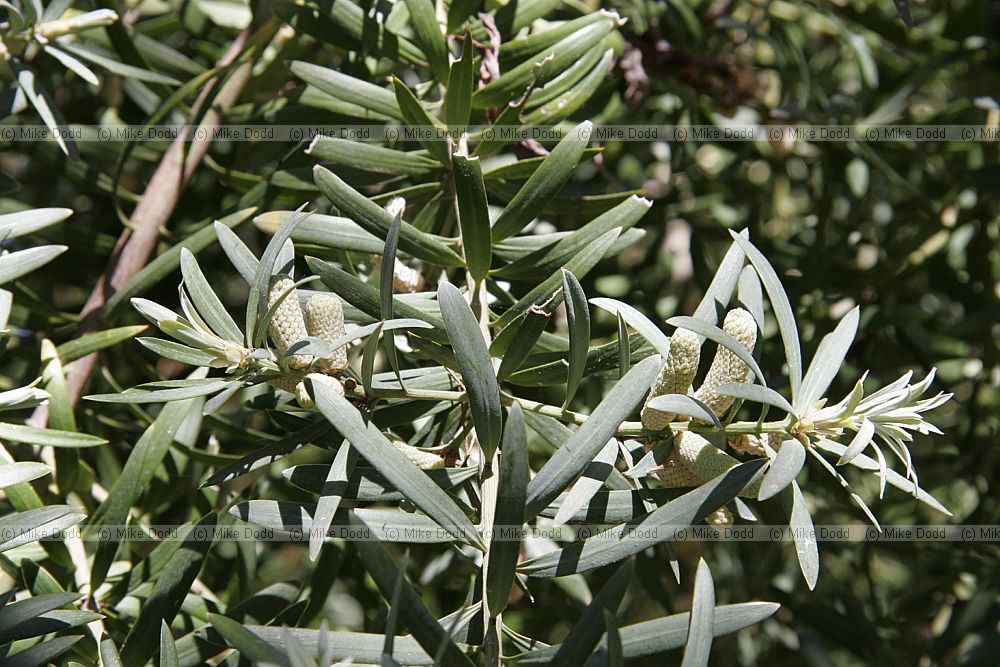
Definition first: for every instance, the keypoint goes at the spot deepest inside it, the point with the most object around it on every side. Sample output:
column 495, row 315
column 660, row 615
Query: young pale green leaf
column 578, row 317
column 685, row 405
column 109, row 653
column 48, row 437
column 171, row 587
column 755, row 393
column 572, row 458
column 587, row 632
column 477, row 368
column 891, row 476
column 784, row 469
column 859, row 442
column 347, row 88
column 637, row 321
column 429, row 37
column 782, row 311
column 458, row 96
column 701, row 628
column 544, row 184
column 169, row 349
column 108, row 61
column 396, row 467
column 590, row 482
column 376, row 220
column 205, row 300
column 473, row 215
column 828, row 360
column 803, row 533
column 425, row 628
column 721, row 337
column 31, row 221
column 629, row 538
column 513, row 486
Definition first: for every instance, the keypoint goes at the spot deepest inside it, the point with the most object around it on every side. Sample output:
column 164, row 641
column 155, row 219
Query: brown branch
column 138, row 240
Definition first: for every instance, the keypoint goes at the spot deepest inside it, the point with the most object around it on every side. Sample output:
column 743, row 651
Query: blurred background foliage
column 910, row 231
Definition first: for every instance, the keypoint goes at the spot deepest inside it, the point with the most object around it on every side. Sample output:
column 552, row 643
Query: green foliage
column 476, row 485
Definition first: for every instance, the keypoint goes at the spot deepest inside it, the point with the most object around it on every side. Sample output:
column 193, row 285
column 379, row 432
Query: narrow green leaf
column 392, row 463
column 171, row 587
column 48, row 437
column 685, row 405
column 31, row 221
column 623, row 346
column 828, row 360
column 369, row 157
column 332, row 493
column 544, row 184
column 473, row 215
column 21, row 471
column 587, row 632
column 803, row 532
column 660, row 525
column 425, row 628
column 205, row 300
column 16, row 264
column 637, row 321
column 168, row 649
column 344, row 87
column 414, row 115
column 242, row 259
column 41, row 654
column 784, row 469
column 782, row 311
column 757, row 394
column 477, row 368
column 458, row 96
column 859, row 442
column 429, row 37
column 670, row 632
column 109, row 653
column 250, row 646
column 93, row 342
column 698, row 648
column 513, row 485
column 578, row 316
column 590, row 482
column 376, row 220
column 581, row 448
column 164, row 391
column 580, row 265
